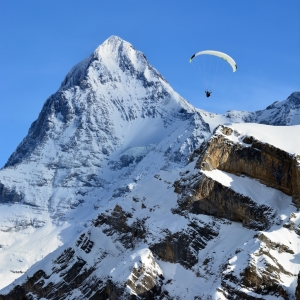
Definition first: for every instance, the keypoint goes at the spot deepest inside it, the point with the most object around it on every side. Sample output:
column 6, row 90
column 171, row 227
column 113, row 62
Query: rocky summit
column 124, row 190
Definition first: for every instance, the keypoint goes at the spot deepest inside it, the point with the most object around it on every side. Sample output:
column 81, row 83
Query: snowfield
column 286, row 138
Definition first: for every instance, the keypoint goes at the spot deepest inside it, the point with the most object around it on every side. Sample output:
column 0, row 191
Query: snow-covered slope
column 284, row 113
column 88, row 204
column 113, row 122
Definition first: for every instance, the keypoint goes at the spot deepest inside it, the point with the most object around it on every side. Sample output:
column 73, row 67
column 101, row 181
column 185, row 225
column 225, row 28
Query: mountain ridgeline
column 124, row 190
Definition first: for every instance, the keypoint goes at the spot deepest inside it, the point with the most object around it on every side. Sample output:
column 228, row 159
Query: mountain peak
column 116, row 83
column 111, row 47
column 294, row 98
column 113, row 42
column 106, row 53
column 111, row 57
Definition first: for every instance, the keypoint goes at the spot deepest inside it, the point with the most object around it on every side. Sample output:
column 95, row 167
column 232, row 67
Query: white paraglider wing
column 219, row 54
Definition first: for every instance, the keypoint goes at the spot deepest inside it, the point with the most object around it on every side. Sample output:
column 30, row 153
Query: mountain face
column 123, row 190
column 113, row 123
column 284, row 113
column 279, row 113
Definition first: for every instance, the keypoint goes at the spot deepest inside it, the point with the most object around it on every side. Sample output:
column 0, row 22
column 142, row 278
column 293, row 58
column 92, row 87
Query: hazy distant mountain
column 279, row 113
column 124, row 190
column 284, row 113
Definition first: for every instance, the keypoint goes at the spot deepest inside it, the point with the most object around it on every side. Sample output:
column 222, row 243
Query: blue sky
column 42, row 40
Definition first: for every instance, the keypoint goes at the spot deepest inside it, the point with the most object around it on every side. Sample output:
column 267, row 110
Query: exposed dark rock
column 259, row 280
column 183, row 247
column 272, row 166
column 227, row 130
column 117, row 223
column 144, row 283
column 8, row 195
column 206, row 196
column 264, row 284
column 297, row 292
column 281, row 247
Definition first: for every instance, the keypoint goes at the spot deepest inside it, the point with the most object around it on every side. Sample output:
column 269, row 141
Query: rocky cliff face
column 270, row 165
column 204, row 192
column 121, row 191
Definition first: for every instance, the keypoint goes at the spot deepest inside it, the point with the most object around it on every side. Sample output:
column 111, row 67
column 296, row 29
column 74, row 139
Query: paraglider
column 204, row 69
column 207, row 93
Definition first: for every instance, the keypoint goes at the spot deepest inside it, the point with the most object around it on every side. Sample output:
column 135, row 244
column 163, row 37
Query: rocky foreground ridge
column 202, row 194
column 184, row 212
column 73, row 273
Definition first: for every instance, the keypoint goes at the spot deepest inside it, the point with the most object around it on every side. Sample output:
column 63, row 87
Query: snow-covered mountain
column 100, row 200
column 279, row 113
column 87, row 146
column 284, row 113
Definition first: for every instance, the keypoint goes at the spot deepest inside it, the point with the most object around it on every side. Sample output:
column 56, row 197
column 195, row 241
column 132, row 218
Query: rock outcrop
column 201, row 194
column 267, row 164
column 183, row 247
column 9, row 195
column 212, row 198
column 297, row 293
column 270, row 165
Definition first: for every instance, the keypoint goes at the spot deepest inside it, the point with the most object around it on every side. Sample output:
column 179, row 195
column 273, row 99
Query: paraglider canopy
column 219, row 54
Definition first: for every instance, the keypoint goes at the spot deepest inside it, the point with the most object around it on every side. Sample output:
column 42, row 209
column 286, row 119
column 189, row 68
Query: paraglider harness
column 208, row 93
